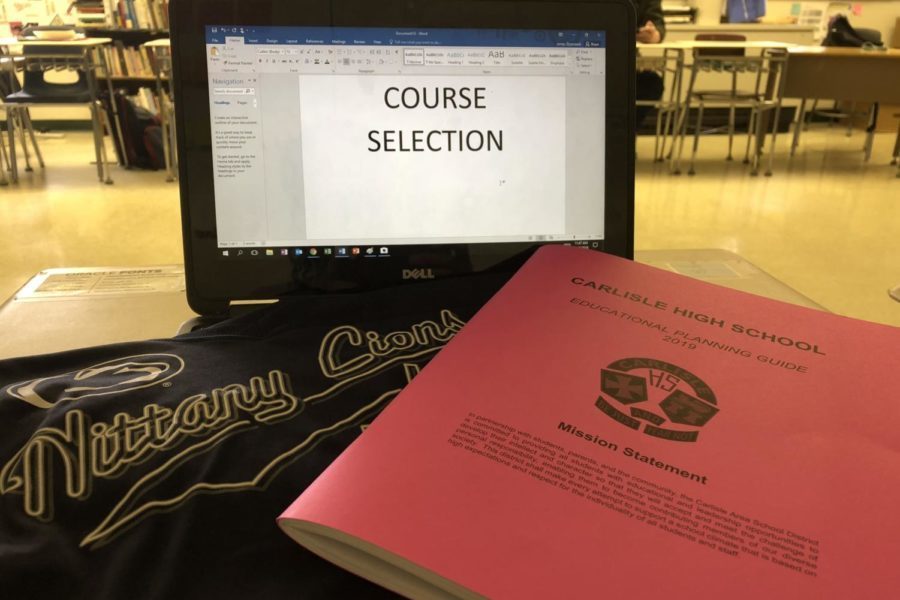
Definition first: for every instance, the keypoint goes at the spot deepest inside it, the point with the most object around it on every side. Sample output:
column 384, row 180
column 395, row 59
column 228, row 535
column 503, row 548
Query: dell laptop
column 341, row 145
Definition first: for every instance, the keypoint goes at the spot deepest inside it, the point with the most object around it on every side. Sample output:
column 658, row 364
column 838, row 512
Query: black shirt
column 156, row 469
column 650, row 10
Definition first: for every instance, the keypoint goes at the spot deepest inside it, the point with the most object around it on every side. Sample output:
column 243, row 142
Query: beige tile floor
column 826, row 224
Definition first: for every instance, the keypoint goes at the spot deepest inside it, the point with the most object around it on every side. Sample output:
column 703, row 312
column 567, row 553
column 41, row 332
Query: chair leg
column 758, row 141
column 94, row 131
column 11, row 132
column 656, row 139
column 774, row 136
column 4, row 162
column 681, row 123
column 99, row 150
column 797, row 126
column 731, row 109
column 870, row 131
column 30, row 126
column 812, row 111
column 850, row 118
column 696, row 137
column 751, row 128
column 895, row 160
column 681, row 135
column 4, row 157
column 666, row 133
column 103, row 121
column 21, row 129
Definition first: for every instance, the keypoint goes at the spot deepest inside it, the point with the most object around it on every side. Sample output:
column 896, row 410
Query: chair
column 763, row 96
column 18, row 116
column 668, row 67
column 43, row 59
column 4, row 159
column 895, row 159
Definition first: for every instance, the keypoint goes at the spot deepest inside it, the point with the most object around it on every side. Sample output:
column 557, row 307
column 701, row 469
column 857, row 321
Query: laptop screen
column 336, row 142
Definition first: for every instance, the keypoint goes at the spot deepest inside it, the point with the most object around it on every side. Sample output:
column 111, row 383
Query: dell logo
column 418, row 274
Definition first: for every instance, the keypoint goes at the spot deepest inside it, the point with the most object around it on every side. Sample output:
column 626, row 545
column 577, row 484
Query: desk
column 8, row 70
column 63, row 309
column 796, row 34
column 87, row 54
column 766, row 56
column 850, row 74
column 670, row 65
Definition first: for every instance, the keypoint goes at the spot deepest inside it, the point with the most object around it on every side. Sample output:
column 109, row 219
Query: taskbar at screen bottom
column 344, row 252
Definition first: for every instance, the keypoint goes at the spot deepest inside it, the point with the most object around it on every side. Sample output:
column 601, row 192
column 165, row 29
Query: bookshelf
column 128, row 59
column 130, row 24
column 131, row 73
column 132, row 69
column 133, row 14
column 88, row 13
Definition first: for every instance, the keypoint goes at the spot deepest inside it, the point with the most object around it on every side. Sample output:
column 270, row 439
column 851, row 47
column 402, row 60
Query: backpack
column 141, row 139
column 842, row 33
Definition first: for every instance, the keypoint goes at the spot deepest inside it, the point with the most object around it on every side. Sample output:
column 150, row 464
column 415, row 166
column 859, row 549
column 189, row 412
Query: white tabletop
column 661, row 46
column 83, row 42
column 160, row 43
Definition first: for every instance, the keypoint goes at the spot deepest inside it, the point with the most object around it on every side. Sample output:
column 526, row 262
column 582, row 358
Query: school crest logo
column 657, row 398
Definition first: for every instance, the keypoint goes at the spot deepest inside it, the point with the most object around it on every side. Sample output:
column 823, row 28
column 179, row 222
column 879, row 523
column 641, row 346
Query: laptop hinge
column 236, row 308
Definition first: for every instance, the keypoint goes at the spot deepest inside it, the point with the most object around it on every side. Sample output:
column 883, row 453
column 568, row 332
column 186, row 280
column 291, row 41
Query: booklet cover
column 605, row 429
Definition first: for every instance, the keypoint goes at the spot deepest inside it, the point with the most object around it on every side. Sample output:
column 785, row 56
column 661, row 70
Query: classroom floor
column 826, row 224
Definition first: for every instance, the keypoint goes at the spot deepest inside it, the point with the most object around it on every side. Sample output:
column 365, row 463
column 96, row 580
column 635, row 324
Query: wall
column 873, row 14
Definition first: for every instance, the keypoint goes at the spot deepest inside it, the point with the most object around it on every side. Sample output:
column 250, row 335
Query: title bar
column 383, row 36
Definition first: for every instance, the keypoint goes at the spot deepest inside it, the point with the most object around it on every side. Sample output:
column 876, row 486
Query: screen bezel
column 213, row 282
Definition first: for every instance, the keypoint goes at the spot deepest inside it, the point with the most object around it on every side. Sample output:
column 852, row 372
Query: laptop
column 342, row 145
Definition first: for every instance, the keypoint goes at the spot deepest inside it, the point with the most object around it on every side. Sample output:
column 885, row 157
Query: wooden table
column 843, row 74
column 846, row 74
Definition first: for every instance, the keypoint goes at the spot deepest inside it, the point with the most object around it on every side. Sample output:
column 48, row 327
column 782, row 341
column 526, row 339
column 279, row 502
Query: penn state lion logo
column 661, row 399
column 110, row 377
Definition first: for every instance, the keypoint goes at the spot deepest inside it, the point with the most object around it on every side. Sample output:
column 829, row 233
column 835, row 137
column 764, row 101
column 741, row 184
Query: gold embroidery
column 86, row 451
column 375, row 346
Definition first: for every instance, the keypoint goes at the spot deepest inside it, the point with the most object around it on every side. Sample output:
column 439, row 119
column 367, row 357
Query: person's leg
column 649, row 86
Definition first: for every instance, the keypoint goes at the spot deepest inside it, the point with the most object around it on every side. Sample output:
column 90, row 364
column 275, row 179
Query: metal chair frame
column 765, row 96
column 47, row 58
column 805, row 116
column 895, row 158
column 21, row 120
column 669, row 66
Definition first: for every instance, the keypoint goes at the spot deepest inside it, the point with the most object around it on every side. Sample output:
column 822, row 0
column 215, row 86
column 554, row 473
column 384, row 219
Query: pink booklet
column 603, row 429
